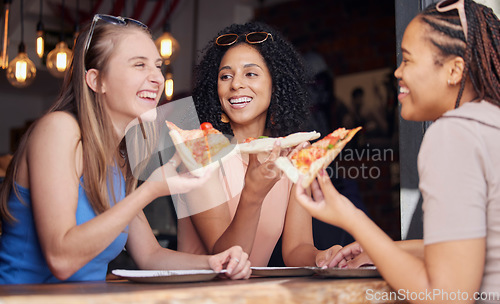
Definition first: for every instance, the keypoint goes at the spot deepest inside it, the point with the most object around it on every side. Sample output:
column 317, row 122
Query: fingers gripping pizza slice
column 308, row 161
column 199, row 148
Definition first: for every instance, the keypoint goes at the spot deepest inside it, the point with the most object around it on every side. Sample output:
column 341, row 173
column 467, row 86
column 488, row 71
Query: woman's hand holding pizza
column 261, row 176
column 326, row 203
column 176, row 182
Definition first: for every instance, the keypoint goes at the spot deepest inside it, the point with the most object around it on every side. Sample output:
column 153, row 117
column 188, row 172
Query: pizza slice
column 308, row 161
column 262, row 144
column 199, row 148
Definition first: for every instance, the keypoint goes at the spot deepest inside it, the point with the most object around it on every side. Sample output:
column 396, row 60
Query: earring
column 449, row 82
column 224, row 118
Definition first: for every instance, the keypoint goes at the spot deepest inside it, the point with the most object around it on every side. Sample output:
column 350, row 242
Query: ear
column 91, row 77
column 456, row 68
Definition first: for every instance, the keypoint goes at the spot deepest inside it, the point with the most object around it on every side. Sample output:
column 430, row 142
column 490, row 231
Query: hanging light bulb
column 59, row 58
column 40, row 35
column 4, row 58
column 169, row 86
column 167, row 45
column 21, row 71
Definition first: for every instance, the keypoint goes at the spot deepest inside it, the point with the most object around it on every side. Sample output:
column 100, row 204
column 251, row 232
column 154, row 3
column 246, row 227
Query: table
column 312, row 290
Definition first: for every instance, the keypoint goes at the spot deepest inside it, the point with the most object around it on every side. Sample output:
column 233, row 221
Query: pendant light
column 76, row 30
column 59, row 58
column 4, row 58
column 166, row 44
column 40, row 34
column 169, row 86
column 21, row 71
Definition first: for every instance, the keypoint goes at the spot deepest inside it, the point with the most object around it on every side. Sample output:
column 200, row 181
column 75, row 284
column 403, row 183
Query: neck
column 242, row 132
column 469, row 94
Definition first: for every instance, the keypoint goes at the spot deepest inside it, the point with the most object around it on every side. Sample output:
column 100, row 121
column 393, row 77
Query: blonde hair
column 97, row 136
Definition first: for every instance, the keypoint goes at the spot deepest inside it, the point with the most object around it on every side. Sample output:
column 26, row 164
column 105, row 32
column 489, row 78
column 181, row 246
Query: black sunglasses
column 252, row 38
column 118, row 20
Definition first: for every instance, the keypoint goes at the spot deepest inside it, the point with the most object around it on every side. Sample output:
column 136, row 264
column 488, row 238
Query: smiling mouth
column 404, row 90
column 147, row 95
column 241, row 100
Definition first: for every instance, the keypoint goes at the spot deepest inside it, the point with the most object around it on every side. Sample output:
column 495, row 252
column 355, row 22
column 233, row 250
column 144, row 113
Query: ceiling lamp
column 166, row 44
column 21, row 71
column 40, row 35
column 59, row 58
column 4, row 59
column 169, row 86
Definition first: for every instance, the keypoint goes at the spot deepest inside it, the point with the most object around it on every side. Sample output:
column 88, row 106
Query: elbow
column 62, row 268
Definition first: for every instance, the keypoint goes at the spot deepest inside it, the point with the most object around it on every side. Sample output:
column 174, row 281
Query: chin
column 149, row 115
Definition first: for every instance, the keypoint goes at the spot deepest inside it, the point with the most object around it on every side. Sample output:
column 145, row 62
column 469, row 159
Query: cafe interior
column 350, row 49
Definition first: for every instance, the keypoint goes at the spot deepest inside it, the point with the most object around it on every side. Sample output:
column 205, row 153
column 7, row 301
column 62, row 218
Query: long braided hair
column 480, row 50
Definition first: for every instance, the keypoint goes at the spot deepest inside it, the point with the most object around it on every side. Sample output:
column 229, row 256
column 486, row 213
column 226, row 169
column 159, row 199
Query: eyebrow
column 403, row 50
column 248, row 65
column 144, row 58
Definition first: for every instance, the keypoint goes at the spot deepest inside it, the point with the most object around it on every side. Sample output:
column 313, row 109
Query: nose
column 238, row 82
column 156, row 76
column 397, row 72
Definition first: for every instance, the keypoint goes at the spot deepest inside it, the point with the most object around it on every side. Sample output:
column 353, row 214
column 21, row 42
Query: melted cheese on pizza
column 303, row 159
column 196, row 142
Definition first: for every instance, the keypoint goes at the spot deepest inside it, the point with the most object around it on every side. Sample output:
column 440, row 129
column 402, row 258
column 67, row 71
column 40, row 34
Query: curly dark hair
column 288, row 110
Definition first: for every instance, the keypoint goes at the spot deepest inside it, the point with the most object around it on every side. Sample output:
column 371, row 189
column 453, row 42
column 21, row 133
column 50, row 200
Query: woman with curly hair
column 250, row 83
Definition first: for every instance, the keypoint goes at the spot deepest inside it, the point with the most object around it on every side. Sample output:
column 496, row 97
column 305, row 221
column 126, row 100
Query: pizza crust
column 286, row 165
column 267, row 144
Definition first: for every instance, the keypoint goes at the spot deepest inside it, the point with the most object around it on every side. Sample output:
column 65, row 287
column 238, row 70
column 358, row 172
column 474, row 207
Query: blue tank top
column 21, row 258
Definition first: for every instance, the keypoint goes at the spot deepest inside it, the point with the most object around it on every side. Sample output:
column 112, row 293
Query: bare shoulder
column 57, row 134
column 59, row 121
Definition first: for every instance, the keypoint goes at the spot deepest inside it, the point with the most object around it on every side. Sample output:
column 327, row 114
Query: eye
column 225, row 77
column 139, row 64
column 251, row 74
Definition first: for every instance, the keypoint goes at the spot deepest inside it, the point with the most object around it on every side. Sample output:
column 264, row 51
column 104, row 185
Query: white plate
column 362, row 272
column 282, row 271
column 166, row 276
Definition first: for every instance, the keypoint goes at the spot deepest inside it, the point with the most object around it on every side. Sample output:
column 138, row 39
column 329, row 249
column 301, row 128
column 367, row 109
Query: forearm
column 414, row 247
column 402, row 270
column 81, row 243
column 243, row 227
column 302, row 255
column 166, row 259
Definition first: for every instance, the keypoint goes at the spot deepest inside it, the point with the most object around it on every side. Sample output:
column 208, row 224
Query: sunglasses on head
column 252, row 38
column 112, row 20
column 448, row 5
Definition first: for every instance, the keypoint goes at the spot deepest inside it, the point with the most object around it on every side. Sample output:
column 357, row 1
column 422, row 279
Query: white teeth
column 151, row 95
column 404, row 90
column 240, row 100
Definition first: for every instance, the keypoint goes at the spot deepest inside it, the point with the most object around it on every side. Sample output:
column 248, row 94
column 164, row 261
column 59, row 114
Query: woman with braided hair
column 450, row 75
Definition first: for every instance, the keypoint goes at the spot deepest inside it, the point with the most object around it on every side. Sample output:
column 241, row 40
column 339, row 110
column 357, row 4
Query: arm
column 215, row 226
column 148, row 254
column 438, row 271
column 298, row 243
column 54, row 166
